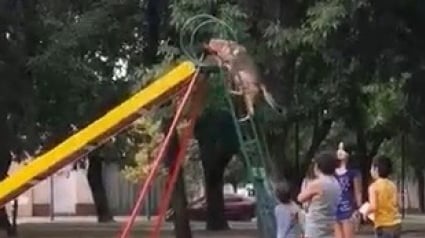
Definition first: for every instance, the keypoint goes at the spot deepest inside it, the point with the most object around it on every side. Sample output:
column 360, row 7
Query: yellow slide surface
column 88, row 138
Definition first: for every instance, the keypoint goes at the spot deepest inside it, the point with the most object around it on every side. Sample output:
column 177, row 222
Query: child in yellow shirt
column 383, row 202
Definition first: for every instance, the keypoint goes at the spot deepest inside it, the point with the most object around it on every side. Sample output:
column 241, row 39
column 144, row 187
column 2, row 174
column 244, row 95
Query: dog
column 242, row 73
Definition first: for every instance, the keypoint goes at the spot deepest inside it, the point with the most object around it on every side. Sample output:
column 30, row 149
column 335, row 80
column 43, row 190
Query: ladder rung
column 258, row 172
column 250, row 142
column 252, row 149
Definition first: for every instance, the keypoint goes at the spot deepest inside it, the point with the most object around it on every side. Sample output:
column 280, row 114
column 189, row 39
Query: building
column 67, row 193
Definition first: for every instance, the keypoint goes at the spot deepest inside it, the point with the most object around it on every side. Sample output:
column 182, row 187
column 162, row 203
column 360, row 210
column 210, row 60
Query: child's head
column 325, row 163
column 381, row 167
column 283, row 193
column 342, row 155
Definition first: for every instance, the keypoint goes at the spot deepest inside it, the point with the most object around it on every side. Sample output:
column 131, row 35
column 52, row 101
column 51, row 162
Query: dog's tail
column 270, row 100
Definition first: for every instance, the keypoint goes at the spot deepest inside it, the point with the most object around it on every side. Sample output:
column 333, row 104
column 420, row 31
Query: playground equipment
column 95, row 134
column 251, row 140
column 255, row 153
column 184, row 80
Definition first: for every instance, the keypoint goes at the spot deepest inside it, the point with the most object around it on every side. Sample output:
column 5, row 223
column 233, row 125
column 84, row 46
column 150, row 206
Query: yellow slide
column 94, row 134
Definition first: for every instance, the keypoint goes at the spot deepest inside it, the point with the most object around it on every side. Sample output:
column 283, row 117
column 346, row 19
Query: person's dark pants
column 388, row 231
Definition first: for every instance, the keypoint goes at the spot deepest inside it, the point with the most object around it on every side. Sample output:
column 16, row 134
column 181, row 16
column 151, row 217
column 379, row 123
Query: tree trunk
column 95, row 180
column 321, row 128
column 421, row 183
column 365, row 163
column 178, row 201
column 5, row 161
column 215, row 199
column 235, row 187
column 179, row 204
column 152, row 36
column 362, row 150
column 365, row 156
column 218, row 142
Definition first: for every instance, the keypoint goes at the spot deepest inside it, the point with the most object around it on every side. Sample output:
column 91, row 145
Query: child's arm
column 312, row 189
column 372, row 201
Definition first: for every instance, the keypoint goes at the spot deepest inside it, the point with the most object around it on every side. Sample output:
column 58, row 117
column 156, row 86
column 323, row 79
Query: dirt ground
column 413, row 227
column 57, row 230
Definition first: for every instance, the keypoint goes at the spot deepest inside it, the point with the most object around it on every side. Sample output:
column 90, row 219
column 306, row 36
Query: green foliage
column 386, row 102
column 72, row 51
column 352, row 59
column 144, row 138
column 321, row 20
column 235, row 172
column 317, row 55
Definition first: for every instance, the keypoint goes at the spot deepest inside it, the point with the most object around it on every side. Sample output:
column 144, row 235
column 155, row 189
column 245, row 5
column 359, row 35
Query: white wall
column 71, row 187
column 64, row 191
column 41, row 192
column 82, row 187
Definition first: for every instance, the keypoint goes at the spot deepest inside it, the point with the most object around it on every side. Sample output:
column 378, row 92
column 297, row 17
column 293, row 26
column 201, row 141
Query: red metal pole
column 184, row 143
column 148, row 182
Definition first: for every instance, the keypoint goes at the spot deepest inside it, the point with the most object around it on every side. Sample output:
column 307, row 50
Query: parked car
column 236, row 208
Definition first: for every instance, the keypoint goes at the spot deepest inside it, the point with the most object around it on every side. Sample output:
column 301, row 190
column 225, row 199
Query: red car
column 236, row 208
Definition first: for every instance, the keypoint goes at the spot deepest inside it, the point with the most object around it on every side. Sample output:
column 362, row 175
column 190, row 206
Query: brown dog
column 243, row 73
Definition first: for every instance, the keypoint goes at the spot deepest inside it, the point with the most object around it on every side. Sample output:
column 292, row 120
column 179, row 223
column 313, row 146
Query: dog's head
column 225, row 49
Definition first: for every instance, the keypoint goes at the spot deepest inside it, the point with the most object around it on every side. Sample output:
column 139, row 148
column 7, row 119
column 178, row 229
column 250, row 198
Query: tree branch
column 320, row 131
column 375, row 147
column 152, row 35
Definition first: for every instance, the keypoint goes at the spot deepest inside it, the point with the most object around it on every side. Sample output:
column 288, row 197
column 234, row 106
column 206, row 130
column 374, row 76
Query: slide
column 98, row 132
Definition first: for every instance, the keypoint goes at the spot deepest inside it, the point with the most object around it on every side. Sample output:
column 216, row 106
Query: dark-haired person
column 309, row 176
column 383, row 201
column 351, row 195
column 286, row 213
column 323, row 195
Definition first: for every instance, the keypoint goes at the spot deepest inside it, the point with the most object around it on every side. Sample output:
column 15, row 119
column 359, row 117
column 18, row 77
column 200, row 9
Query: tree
column 327, row 62
column 218, row 143
column 92, row 51
column 59, row 60
column 235, row 172
column 416, row 121
column 146, row 136
column 319, row 57
column 340, row 53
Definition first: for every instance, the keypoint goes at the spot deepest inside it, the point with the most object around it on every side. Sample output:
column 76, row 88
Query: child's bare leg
column 338, row 230
column 348, row 228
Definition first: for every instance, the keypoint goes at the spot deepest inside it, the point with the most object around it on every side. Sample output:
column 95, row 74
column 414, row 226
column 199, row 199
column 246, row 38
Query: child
column 383, row 202
column 323, row 194
column 286, row 213
column 351, row 196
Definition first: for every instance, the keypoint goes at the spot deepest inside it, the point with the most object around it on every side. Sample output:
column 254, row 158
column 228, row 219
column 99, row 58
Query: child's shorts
column 388, row 231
